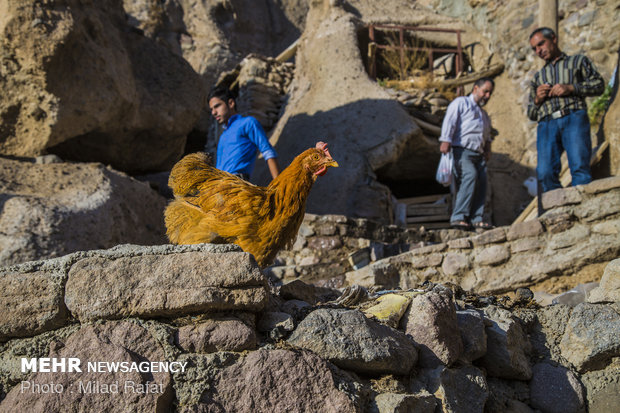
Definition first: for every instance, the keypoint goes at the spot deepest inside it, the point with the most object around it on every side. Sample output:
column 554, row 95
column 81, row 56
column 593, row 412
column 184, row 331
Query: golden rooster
column 213, row 206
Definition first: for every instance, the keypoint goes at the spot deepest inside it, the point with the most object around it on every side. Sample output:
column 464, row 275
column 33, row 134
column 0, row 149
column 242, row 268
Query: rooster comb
column 323, row 147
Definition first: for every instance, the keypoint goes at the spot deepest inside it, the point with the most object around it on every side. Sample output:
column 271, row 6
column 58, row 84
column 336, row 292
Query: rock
column 568, row 238
column 431, row 323
column 423, row 402
column 592, row 337
column 493, row 255
column 547, row 333
column 603, row 389
column 117, row 341
column 225, row 333
column 275, row 323
column 32, row 303
column 164, row 285
column 459, row 390
column 599, row 207
column 556, row 221
column 602, row 185
column 510, row 396
column 490, row 237
column 561, row 197
column 52, row 210
column 99, row 91
column 525, row 229
column 507, row 346
column 473, row 334
column 586, row 18
column 270, row 381
column 610, row 227
column 324, row 243
column 460, row 243
column 424, row 261
column 299, row 290
column 382, row 274
column 609, row 286
column 389, row 309
column 294, row 307
column 353, row 342
column 527, row 244
column 455, row 264
column 555, row 389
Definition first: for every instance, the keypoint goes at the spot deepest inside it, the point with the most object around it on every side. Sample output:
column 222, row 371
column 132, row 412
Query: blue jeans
column 572, row 134
column 470, row 174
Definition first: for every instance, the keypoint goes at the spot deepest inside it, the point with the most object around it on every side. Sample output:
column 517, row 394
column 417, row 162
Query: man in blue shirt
column 466, row 129
column 242, row 137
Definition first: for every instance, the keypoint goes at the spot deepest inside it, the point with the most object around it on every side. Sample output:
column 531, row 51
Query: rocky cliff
column 81, row 84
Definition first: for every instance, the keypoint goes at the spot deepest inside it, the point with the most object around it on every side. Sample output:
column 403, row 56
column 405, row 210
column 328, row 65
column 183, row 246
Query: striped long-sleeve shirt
column 575, row 70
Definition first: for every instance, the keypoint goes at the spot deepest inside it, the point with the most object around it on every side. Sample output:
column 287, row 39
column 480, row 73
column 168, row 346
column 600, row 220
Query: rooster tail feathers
column 189, row 172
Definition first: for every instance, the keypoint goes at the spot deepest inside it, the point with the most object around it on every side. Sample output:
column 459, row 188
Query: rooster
column 213, row 206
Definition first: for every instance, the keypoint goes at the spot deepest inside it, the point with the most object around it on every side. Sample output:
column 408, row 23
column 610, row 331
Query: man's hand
column 273, row 167
column 561, row 90
column 444, row 147
column 542, row 92
column 487, row 151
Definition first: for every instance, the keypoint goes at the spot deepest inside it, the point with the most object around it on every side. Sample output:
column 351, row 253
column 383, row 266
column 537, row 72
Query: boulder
column 50, row 210
column 603, row 389
column 353, row 342
column 507, row 346
column 266, row 381
column 592, row 337
column 299, row 290
column 431, row 322
column 96, row 90
column 555, row 389
column 225, row 333
column 609, row 286
column 459, row 390
column 155, row 285
column 547, row 332
column 381, row 273
column 473, row 334
column 276, row 324
column 32, row 302
column 510, row 396
column 103, row 389
column 389, row 309
column 423, row 402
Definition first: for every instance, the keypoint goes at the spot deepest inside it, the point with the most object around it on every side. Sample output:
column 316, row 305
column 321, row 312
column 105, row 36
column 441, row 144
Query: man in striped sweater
column 557, row 102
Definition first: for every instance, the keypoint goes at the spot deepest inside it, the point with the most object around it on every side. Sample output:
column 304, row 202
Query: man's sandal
column 483, row 225
column 460, row 225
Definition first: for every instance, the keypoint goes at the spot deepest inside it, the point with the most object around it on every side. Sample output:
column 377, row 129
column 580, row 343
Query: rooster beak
column 332, row 163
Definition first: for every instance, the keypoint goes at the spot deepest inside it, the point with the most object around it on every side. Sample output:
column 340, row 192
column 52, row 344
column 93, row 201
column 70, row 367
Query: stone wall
column 581, row 226
column 328, row 245
column 241, row 346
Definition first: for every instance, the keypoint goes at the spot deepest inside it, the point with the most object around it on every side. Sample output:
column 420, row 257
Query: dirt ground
column 557, row 285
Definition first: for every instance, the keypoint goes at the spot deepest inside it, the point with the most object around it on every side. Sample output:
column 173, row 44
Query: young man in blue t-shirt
column 242, row 137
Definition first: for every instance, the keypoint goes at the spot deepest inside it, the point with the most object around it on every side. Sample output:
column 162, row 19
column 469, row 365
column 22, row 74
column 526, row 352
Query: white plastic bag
column 444, row 170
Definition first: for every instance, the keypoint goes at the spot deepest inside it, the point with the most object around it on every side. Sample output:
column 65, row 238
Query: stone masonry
column 581, row 226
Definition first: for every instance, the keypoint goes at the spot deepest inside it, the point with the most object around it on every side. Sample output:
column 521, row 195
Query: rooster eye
column 315, row 157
